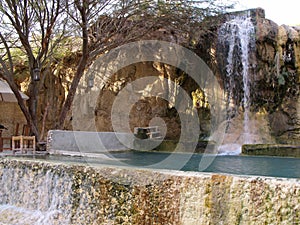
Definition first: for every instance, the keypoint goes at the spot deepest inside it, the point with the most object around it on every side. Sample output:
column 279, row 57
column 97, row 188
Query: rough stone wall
column 276, row 81
column 148, row 107
column 80, row 194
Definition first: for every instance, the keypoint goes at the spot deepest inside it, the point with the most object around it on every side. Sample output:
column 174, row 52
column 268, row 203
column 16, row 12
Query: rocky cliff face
column 278, row 79
column 273, row 76
column 146, row 111
column 275, row 81
column 273, row 72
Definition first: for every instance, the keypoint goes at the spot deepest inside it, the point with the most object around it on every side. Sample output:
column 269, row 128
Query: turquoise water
column 229, row 164
column 232, row 164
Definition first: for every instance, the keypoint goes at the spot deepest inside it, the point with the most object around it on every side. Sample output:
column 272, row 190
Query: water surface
column 229, row 164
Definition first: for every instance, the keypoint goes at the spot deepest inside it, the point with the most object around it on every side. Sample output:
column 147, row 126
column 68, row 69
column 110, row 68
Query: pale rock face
column 147, row 108
column 274, row 74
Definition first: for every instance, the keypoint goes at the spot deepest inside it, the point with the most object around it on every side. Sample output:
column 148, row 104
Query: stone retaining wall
column 86, row 194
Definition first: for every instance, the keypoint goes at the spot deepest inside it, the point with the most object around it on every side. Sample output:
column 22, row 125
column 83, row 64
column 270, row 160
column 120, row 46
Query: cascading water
column 246, row 33
column 236, row 36
column 34, row 198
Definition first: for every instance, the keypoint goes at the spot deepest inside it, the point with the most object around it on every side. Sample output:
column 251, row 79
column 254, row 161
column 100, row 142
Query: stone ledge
column 271, row 150
column 201, row 146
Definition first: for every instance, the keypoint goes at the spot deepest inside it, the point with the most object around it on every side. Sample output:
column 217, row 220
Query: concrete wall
column 86, row 143
column 64, row 193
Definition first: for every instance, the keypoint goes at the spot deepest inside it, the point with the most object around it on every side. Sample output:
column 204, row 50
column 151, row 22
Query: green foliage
column 280, row 87
column 281, row 80
column 18, row 55
column 283, row 76
column 65, row 48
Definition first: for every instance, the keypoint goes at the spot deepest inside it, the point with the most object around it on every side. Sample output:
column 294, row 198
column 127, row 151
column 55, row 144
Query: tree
column 120, row 22
column 37, row 28
column 29, row 25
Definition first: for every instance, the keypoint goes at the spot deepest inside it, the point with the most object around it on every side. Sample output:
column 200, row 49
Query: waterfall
column 237, row 36
column 38, row 197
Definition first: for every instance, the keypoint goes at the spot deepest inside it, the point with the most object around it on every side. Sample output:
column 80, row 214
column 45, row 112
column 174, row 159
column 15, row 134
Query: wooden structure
column 23, row 142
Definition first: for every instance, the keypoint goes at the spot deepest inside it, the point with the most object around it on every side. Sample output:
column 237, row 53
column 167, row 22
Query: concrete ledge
column 201, row 146
column 271, row 150
column 86, row 143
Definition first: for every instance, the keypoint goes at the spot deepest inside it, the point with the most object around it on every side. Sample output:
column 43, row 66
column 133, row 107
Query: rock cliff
column 273, row 68
column 148, row 108
column 273, row 73
column 274, row 57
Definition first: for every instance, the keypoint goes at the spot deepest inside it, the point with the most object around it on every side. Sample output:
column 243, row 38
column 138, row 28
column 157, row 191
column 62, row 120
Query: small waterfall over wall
column 36, row 195
column 43, row 193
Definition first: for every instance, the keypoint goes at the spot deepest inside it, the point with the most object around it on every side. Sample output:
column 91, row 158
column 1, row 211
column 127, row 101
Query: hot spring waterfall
column 237, row 36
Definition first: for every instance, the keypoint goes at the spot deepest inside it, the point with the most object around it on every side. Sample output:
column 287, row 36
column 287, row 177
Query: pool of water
column 230, row 164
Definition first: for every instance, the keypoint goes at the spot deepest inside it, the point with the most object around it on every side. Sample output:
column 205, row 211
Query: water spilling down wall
column 62, row 193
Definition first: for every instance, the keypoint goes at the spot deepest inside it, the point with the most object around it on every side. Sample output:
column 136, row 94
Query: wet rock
column 271, row 150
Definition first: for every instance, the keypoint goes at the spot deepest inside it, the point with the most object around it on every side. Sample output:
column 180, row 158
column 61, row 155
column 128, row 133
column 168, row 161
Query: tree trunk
column 81, row 67
column 68, row 103
column 33, row 102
